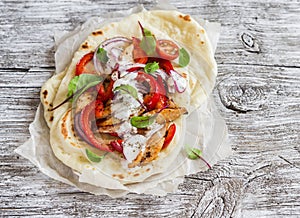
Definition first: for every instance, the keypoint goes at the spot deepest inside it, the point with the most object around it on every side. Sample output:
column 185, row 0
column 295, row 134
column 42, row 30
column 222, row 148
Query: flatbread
column 111, row 173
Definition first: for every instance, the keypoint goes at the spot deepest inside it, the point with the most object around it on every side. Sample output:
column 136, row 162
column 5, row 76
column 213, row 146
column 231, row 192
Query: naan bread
column 112, row 172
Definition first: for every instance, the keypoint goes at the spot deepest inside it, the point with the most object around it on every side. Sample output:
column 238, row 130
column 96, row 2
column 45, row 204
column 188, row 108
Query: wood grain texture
column 257, row 92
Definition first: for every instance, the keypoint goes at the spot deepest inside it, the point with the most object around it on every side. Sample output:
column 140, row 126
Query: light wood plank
column 257, row 92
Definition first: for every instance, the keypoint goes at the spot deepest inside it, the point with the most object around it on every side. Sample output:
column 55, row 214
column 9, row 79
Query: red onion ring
column 78, row 129
column 117, row 146
column 109, row 45
column 179, row 81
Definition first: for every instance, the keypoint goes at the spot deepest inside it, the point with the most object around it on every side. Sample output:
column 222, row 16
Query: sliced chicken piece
column 136, row 161
column 111, row 121
column 109, row 128
column 151, row 153
column 154, row 146
column 168, row 114
column 171, row 114
column 106, row 112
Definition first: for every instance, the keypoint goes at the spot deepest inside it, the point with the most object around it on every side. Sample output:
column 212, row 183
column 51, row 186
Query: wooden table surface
column 257, row 92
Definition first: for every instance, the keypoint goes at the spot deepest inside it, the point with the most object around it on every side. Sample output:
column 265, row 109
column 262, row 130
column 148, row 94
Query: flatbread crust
column 112, row 173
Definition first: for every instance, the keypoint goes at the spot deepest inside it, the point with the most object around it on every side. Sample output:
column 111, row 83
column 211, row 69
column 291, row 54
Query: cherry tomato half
column 167, row 49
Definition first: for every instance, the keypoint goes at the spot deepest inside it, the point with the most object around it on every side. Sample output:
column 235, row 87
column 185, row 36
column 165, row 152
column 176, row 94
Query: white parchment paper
column 205, row 129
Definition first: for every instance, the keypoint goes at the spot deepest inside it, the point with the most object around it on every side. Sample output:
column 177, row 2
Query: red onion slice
column 128, row 66
column 179, row 81
column 142, row 88
column 113, row 47
column 114, row 40
column 78, row 128
column 117, row 146
column 171, row 86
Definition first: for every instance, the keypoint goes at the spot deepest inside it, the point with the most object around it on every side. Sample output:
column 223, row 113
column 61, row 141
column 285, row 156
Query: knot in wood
column 242, row 97
column 221, row 199
column 250, row 43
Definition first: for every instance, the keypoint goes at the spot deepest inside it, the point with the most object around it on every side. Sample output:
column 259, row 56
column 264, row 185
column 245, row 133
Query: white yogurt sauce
column 123, row 107
column 133, row 145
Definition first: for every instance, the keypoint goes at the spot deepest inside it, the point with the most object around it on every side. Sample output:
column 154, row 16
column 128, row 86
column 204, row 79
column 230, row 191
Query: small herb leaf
column 151, row 67
column 142, row 121
column 184, row 57
column 148, row 43
column 82, row 83
column 147, row 32
column 72, row 86
column 77, row 86
column 94, row 157
column 193, row 153
column 128, row 89
column 102, row 55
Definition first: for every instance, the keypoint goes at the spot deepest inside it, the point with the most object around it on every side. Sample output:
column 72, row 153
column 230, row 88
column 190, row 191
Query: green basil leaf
column 72, row 86
column 88, row 80
column 142, row 121
column 81, row 83
column 151, row 67
column 147, row 32
column 184, row 57
column 128, row 89
column 102, row 55
column 193, row 153
column 148, row 44
column 94, row 157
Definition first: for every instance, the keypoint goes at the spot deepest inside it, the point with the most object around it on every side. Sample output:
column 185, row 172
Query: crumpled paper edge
column 30, row 149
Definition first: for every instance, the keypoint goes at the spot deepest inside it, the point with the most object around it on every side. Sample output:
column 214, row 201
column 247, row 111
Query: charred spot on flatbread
column 186, row 17
column 45, row 93
column 85, row 45
column 64, row 130
column 97, row 33
column 120, row 176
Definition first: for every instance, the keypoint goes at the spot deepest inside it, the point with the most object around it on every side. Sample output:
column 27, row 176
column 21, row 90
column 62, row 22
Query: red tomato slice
column 80, row 67
column 167, row 49
column 151, row 100
column 169, row 135
column 104, row 94
column 98, row 109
